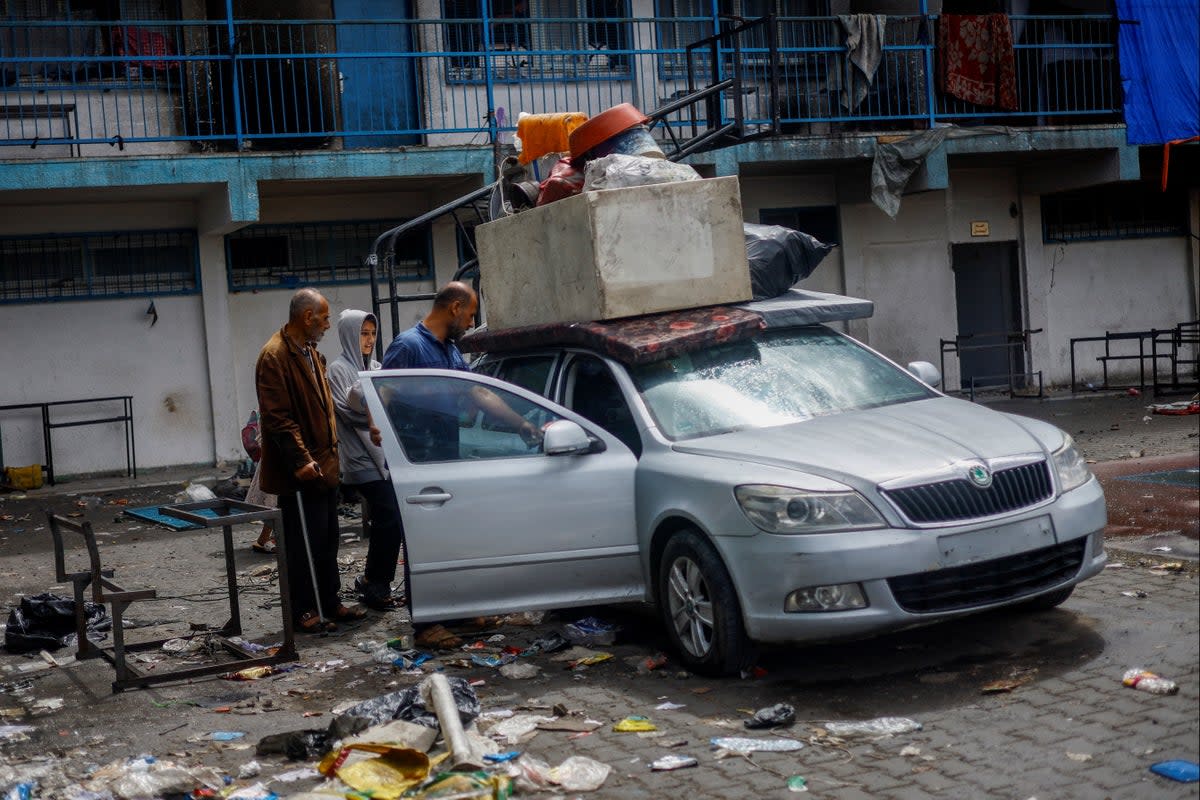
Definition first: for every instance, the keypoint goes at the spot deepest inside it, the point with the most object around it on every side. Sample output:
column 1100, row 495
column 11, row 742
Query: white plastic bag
column 580, row 774
column 883, row 726
column 618, row 171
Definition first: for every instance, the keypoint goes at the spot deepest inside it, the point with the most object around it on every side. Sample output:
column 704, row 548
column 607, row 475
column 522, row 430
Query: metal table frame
column 104, row 590
column 126, row 416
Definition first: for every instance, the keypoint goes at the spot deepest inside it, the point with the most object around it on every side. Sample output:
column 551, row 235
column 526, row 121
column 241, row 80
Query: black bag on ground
column 47, row 622
column 779, row 257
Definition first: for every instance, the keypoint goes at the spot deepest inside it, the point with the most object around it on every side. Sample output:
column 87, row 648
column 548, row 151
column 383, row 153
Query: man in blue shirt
column 428, row 425
column 430, row 344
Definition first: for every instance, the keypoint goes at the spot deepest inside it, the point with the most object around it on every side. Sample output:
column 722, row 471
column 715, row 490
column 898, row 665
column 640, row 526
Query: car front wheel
column 699, row 606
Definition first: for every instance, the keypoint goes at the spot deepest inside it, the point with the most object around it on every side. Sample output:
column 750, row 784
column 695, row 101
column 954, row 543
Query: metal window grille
column 1115, row 211
column 96, row 265
column 318, row 253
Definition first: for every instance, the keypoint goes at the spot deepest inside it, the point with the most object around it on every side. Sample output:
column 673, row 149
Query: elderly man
column 300, row 459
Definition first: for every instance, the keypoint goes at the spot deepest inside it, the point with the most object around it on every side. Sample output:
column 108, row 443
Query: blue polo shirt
column 418, row 348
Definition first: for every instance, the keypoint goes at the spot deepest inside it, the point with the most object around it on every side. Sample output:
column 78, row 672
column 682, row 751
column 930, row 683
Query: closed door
column 987, row 293
column 379, row 92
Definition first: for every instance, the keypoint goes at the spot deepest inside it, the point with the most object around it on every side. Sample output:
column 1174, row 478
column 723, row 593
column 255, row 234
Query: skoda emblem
column 980, row 476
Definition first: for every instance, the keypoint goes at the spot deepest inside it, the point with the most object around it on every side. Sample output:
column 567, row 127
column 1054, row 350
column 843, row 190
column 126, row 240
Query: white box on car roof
column 616, row 253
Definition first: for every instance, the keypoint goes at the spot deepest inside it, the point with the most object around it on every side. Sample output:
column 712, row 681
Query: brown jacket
column 296, row 413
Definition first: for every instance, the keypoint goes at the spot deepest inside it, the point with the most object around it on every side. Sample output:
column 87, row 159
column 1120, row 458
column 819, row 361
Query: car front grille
column 959, row 499
column 988, row 581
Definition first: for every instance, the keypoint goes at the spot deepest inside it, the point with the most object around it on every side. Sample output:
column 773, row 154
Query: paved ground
column 1066, row 729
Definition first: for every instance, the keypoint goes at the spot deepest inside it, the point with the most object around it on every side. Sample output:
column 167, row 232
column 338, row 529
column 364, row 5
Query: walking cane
column 312, row 570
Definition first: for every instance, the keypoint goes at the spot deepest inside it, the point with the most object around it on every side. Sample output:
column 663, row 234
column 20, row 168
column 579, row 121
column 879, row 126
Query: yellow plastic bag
column 24, row 477
column 634, row 725
column 395, row 771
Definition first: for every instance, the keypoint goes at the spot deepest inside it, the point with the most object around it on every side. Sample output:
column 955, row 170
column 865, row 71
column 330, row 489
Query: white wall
column 129, row 113
column 98, row 348
column 797, row 192
column 904, row 266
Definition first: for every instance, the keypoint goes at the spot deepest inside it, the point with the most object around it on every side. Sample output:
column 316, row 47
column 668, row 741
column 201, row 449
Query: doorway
column 987, row 293
column 378, row 93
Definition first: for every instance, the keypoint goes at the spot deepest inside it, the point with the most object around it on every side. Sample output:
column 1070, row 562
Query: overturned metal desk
column 227, row 513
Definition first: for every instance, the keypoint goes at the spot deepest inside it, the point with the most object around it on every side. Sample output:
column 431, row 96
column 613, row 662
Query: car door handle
column 432, row 498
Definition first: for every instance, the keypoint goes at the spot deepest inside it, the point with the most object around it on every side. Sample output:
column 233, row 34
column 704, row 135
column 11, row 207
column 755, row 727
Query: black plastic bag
column 407, row 705
column 295, row 745
column 779, row 257
column 776, row 716
column 47, row 622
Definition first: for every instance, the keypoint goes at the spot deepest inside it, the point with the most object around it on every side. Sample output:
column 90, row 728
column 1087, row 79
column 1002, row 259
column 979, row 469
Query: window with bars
column 536, row 39
column 85, row 266
column 1114, row 211
column 316, row 253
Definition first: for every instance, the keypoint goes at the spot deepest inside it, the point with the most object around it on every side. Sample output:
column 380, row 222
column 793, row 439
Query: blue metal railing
column 90, row 88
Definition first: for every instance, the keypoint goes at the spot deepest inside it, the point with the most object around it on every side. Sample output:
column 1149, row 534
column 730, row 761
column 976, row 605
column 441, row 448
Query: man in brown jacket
column 300, row 458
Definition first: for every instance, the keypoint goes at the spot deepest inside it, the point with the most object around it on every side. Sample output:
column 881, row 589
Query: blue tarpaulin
column 1159, row 44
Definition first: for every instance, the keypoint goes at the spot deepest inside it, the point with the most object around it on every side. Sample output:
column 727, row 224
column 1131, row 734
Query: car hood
column 884, row 444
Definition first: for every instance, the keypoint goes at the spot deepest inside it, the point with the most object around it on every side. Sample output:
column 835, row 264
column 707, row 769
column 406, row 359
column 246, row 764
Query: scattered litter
column 226, row 736
column 409, row 705
column 1147, row 681
column 47, row 622
column 776, row 716
column 48, row 704
column 910, row 750
column 1179, row 409
column 797, row 783
column 591, row 632
column 520, row 671
column 588, row 661
column 517, row 728
column 1079, row 756
column 249, row 673
column 1003, row 685
column 1161, row 549
column 651, row 663
column 525, row 618
column 754, row 673
column 572, row 724
column 14, row 733
column 251, row 769
column 500, row 758
column 393, row 771
column 302, row 774
column 181, row 646
column 492, row 661
column 671, row 762
column 669, row 706
column 735, row 744
column 1138, row 594
column 257, row 791
column 580, row 774
column 634, row 724
column 883, row 726
column 1178, row 770
column 550, row 643
column 1167, row 568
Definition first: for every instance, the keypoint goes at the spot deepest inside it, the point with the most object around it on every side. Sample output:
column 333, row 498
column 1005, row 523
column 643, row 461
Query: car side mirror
column 565, row 438
column 924, row 371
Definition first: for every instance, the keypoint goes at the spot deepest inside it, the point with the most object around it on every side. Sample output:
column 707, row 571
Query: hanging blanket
column 976, row 61
column 134, row 41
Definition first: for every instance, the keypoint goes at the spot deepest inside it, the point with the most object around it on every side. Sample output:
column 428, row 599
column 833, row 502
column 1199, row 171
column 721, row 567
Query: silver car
column 790, row 486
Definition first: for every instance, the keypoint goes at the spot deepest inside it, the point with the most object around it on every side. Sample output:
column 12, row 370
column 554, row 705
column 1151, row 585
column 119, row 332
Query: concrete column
column 227, row 418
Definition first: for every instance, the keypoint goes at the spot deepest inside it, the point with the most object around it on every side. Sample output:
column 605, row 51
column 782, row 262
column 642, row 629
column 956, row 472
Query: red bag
column 250, row 436
column 564, row 181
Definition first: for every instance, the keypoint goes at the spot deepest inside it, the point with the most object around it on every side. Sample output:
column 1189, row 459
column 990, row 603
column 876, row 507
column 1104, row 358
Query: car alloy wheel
column 699, row 606
column 690, row 606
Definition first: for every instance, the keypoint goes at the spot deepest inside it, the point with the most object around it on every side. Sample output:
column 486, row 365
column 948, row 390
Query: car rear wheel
column 1046, row 602
column 699, row 606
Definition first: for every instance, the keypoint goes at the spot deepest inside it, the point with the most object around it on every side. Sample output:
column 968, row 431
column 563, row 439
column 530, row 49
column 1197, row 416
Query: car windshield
column 782, row 376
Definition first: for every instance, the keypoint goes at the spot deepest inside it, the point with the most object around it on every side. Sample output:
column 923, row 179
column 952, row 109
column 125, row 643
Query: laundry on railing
column 134, row 41
column 864, row 45
column 976, row 60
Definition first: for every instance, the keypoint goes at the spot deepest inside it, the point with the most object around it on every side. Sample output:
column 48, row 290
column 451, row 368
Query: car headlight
column 780, row 509
column 1072, row 470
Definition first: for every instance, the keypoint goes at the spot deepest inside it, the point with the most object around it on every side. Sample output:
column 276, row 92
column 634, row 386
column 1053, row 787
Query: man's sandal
column 438, row 637
column 311, row 623
column 347, row 614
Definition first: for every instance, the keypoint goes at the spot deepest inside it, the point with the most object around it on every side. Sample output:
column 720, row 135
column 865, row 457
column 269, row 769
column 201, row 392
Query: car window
column 783, row 376
column 529, row 372
column 593, row 393
column 438, row 419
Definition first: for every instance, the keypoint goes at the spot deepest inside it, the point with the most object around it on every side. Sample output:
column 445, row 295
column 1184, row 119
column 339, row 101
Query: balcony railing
column 93, row 88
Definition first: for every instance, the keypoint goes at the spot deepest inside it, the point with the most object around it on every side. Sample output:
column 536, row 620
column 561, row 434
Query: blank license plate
column 998, row 542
